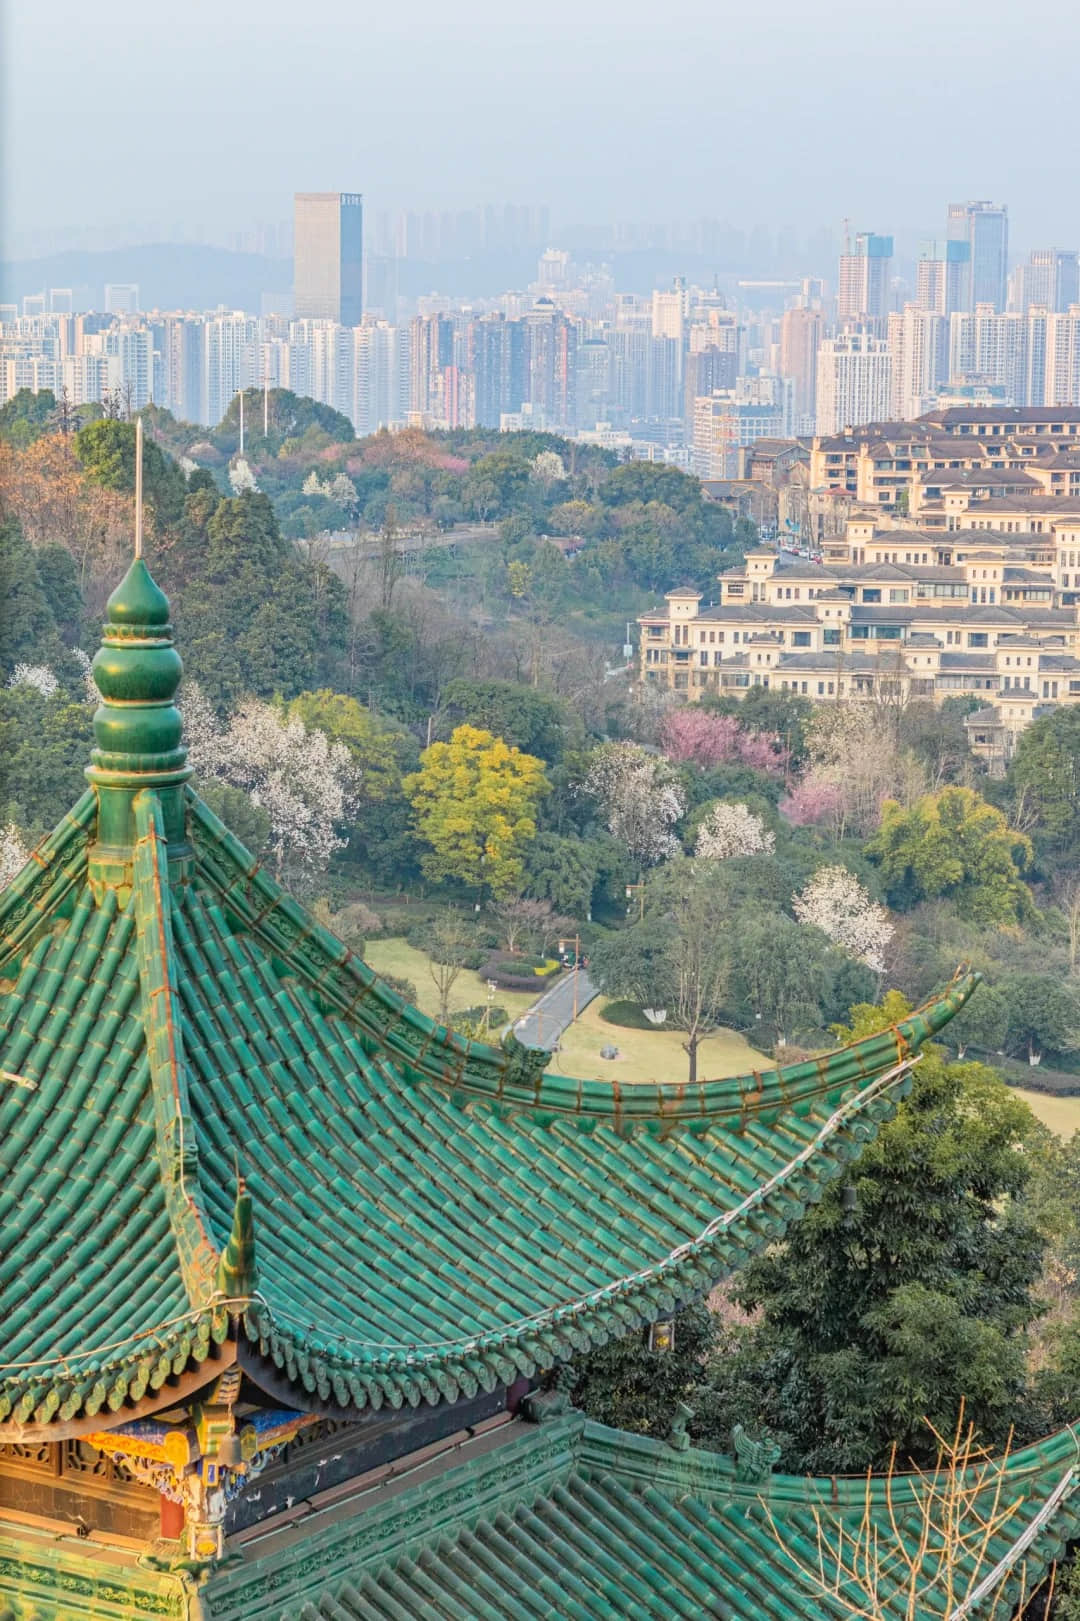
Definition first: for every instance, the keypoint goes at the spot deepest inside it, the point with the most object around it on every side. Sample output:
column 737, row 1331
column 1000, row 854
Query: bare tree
column 926, row 1542
column 390, row 560
column 520, row 919
column 1068, row 895
column 450, row 939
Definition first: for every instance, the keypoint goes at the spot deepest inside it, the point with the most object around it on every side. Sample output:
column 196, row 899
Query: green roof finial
column 137, row 726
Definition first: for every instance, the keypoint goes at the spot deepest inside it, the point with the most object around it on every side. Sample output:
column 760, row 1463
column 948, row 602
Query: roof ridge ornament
column 238, row 1274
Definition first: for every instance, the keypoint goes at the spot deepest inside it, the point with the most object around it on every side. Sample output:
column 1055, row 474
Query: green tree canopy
column 783, row 973
column 879, row 1318
column 107, row 451
column 26, row 416
column 1045, row 770
column 530, row 720
column 953, row 844
column 27, row 626
column 1041, row 1014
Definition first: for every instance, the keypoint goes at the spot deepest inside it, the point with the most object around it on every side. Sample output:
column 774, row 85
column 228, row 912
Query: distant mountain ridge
column 170, row 275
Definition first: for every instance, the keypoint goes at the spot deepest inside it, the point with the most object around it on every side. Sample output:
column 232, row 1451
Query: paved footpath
column 547, row 1019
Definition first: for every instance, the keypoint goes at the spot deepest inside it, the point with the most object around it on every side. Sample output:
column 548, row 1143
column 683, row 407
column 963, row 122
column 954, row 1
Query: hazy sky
column 191, row 112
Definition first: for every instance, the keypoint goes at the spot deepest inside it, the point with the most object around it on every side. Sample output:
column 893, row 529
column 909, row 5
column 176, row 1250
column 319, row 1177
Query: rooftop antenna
column 138, row 486
column 847, row 238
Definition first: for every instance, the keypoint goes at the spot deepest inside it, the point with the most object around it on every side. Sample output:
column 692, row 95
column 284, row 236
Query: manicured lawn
column 1060, row 1114
column 396, row 956
column 647, row 1055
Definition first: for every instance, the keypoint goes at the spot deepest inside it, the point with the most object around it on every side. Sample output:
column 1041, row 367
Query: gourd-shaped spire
column 137, row 726
column 238, row 1276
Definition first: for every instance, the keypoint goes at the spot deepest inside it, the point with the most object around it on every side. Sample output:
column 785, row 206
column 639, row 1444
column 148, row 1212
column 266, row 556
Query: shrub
column 473, row 1017
column 627, row 1014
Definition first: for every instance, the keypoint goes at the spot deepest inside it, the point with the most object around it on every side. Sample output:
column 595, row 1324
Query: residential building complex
column 955, row 574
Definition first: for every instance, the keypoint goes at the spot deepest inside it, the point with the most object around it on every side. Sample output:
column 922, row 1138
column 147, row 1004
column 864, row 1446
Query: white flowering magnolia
column 82, row 659
column 13, row 854
column 307, row 785
column 640, row 797
column 547, row 467
column 733, row 830
column 38, row 676
column 340, row 488
column 187, row 466
column 835, row 902
column 241, row 476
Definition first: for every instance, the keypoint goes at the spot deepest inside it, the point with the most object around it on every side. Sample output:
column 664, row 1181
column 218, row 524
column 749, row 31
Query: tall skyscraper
column 1051, row 279
column 801, row 332
column 985, row 228
column 328, row 262
column 863, row 285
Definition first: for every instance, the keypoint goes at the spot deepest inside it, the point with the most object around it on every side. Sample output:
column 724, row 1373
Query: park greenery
column 421, row 724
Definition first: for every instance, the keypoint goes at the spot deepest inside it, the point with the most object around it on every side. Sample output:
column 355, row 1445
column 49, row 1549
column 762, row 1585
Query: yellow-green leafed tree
column 474, row 803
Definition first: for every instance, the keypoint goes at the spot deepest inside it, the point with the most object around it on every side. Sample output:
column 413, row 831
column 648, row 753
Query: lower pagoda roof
column 420, row 1216
column 568, row 1520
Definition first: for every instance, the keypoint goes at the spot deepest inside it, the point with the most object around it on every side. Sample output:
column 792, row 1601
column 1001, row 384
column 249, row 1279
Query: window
column 898, row 595
column 800, row 638
column 871, row 595
column 978, row 638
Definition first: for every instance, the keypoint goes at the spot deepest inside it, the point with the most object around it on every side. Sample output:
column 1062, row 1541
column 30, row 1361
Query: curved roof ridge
column 199, row 1256
column 56, row 866
column 515, row 1075
column 704, row 1467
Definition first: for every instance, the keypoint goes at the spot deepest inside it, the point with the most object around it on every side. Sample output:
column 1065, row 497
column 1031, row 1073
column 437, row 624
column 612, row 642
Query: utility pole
column 138, row 486
column 241, row 422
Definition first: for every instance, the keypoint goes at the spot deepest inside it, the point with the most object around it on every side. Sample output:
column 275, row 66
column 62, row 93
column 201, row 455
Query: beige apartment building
column 879, row 464
column 906, row 614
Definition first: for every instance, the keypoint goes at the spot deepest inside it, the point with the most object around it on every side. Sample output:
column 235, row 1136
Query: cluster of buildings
column 940, row 559
column 687, row 374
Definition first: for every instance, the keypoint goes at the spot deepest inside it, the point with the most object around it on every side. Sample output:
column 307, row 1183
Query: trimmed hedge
column 627, row 1014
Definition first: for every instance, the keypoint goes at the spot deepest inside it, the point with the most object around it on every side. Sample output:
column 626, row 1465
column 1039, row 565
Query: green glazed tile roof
column 428, row 1216
column 571, row 1521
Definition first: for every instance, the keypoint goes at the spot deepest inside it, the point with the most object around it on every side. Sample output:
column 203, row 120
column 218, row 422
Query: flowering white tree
column 835, row 902
column 82, row 659
column 733, row 830
column 640, row 798
column 13, row 854
column 547, row 467
column 307, row 785
column 38, row 676
column 241, row 476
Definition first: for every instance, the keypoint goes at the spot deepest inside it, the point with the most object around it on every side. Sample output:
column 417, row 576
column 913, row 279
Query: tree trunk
column 690, row 1047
